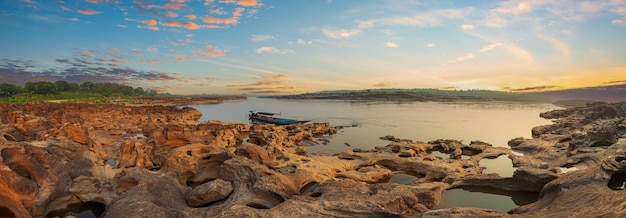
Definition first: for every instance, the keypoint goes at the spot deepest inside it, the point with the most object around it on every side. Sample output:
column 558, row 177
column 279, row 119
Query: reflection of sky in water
column 485, row 198
column 501, row 165
column 402, row 178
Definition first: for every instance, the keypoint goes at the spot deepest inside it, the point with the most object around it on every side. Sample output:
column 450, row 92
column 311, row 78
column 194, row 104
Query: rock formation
column 159, row 161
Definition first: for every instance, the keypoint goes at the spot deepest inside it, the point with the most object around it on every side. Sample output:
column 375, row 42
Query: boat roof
column 263, row 113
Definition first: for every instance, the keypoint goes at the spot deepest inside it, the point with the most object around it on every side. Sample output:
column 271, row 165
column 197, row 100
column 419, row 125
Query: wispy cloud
column 171, row 14
column 463, row 58
column 340, row 33
column 467, row 26
column 234, row 19
column 382, row 84
column 17, row 72
column 302, row 42
column 259, row 38
column 265, row 84
column 267, row 50
column 430, row 19
column 391, row 45
column 618, row 22
column 88, row 11
column 151, row 24
column 248, row 3
column 489, row 47
column 616, row 82
column 531, row 89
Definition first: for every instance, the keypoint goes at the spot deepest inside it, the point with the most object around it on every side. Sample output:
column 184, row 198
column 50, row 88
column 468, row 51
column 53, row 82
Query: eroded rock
column 209, row 192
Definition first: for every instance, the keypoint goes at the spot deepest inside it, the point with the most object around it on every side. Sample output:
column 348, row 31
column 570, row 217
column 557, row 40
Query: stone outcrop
column 160, row 161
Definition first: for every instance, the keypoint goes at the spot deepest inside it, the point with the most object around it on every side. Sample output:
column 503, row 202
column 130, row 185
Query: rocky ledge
column 159, row 161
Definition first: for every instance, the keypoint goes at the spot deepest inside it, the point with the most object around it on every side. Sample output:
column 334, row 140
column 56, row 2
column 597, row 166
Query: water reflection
column 502, row 165
column 402, row 178
column 492, row 122
column 486, row 198
column 440, row 154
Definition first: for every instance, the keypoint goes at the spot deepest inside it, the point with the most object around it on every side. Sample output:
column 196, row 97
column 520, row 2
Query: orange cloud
column 172, row 24
column 88, row 54
column 247, row 3
column 174, row 6
column 266, row 84
column 191, row 17
column 238, row 12
column 217, row 11
column 191, row 25
column 232, row 20
column 151, row 24
column 171, row 14
column 88, row 11
column 149, row 61
column 209, row 52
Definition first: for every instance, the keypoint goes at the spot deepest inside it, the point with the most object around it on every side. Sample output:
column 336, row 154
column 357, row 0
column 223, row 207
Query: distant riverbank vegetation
column 63, row 90
column 421, row 95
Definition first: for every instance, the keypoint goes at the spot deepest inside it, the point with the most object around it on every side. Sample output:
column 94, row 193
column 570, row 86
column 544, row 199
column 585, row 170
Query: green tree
column 86, row 86
column 139, row 91
column 7, row 90
column 151, row 92
column 40, row 87
column 74, row 87
column 62, row 86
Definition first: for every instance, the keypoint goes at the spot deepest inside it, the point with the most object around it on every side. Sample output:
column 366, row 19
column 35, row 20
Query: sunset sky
column 297, row 46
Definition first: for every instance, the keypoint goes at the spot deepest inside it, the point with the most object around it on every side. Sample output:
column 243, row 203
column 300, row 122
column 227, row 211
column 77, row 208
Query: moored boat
column 266, row 117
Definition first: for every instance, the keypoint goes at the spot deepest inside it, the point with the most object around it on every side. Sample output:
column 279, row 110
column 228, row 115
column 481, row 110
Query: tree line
column 49, row 88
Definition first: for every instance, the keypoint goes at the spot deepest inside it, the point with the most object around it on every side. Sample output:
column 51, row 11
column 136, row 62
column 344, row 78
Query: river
column 492, row 122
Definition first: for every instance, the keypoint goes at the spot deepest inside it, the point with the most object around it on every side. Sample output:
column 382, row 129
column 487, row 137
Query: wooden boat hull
column 274, row 120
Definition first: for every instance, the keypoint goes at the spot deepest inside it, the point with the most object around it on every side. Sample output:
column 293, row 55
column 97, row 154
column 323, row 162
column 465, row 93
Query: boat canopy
column 264, row 113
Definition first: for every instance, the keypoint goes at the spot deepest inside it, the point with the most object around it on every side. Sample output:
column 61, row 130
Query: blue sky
column 287, row 47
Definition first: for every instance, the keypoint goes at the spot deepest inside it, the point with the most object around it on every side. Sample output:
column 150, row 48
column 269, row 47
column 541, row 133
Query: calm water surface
column 492, row 122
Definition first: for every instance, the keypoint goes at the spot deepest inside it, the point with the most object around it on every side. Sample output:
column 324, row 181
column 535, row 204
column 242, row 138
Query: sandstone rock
column 460, row 212
column 209, row 192
column 52, row 155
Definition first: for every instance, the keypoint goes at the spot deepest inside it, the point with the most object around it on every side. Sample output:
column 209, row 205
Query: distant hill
column 614, row 93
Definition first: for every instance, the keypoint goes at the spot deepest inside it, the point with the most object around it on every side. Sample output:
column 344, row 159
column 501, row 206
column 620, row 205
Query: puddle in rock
column 501, row 165
column 79, row 210
column 440, row 154
column 402, row 178
column 485, row 198
column 110, row 162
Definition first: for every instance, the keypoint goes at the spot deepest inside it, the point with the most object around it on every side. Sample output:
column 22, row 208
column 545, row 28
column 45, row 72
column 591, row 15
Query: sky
column 300, row 46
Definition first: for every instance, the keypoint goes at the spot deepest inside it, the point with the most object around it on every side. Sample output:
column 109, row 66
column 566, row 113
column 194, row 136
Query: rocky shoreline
column 160, row 161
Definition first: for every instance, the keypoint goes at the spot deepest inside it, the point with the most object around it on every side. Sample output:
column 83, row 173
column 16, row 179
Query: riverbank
column 435, row 95
column 159, row 160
